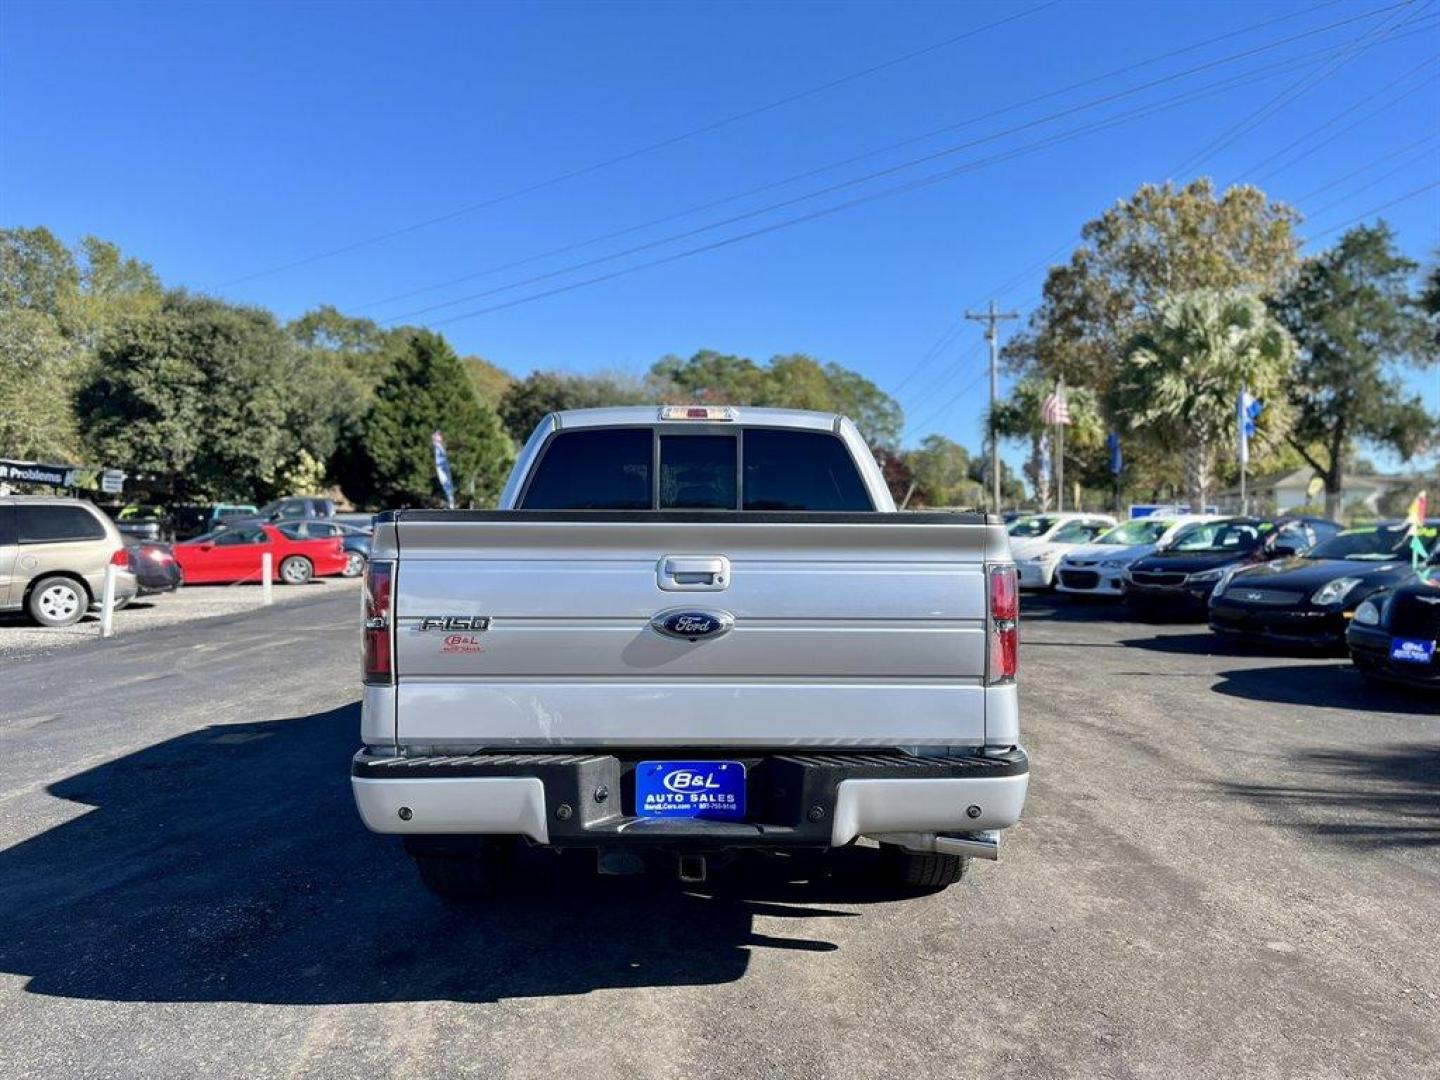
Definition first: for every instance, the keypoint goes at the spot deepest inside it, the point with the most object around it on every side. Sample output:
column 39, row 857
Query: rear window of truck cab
column 645, row 468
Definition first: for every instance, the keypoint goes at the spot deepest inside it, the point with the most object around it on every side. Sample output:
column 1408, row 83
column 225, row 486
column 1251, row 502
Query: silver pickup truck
column 690, row 631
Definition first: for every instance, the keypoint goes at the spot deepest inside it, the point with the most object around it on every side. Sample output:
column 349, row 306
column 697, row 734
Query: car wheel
column 927, row 870
column 467, row 876
column 296, row 570
column 354, row 564
column 57, row 601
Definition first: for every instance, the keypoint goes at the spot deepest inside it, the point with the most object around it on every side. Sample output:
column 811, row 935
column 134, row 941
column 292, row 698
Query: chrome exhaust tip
column 984, row 844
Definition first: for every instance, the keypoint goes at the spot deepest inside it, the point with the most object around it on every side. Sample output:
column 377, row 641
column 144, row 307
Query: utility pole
column 992, row 319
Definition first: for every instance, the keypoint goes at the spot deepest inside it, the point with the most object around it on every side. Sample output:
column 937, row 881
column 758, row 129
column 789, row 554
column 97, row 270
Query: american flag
column 1055, row 411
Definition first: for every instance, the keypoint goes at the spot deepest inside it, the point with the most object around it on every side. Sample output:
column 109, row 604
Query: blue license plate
column 1412, row 650
column 690, row 789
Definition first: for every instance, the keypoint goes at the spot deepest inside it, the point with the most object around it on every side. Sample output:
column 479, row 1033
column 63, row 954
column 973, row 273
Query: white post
column 267, row 587
column 107, row 602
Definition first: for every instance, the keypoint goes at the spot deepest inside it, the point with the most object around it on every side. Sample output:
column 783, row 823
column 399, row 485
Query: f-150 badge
column 451, row 623
column 691, row 625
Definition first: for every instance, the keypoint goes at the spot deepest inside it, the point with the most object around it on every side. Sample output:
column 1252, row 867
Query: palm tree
column 1018, row 417
column 1178, row 382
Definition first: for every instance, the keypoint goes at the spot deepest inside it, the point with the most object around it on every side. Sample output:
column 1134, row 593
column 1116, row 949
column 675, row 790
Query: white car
column 1098, row 569
column 1037, row 542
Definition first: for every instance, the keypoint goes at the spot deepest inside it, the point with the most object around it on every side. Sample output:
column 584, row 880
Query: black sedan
column 154, row 567
column 1179, row 578
column 1393, row 635
column 1311, row 598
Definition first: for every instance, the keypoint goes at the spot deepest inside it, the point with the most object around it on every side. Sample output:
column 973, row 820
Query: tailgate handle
column 694, row 573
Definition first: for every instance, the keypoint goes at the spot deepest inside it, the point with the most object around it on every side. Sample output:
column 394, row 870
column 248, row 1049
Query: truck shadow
column 228, row 864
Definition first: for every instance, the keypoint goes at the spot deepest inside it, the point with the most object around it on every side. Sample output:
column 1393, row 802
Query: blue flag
column 442, row 469
column 1112, row 441
column 1247, row 408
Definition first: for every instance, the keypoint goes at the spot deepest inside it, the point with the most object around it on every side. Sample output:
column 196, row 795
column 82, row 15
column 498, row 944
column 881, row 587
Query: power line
column 1366, row 167
column 1289, row 94
column 841, row 163
column 649, row 148
column 1045, row 263
column 1357, row 122
column 1240, row 79
column 1377, row 209
column 940, row 343
column 1372, row 184
column 826, row 211
column 1327, row 124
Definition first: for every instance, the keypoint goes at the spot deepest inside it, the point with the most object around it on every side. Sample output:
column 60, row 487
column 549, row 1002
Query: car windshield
column 1379, row 543
column 1075, row 532
column 1238, row 536
column 1032, row 527
column 1142, row 531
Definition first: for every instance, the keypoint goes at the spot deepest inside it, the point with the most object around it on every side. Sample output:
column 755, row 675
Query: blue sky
column 223, row 141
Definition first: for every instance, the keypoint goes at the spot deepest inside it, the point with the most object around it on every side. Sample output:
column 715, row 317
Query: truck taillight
column 1003, row 631
column 379, row 623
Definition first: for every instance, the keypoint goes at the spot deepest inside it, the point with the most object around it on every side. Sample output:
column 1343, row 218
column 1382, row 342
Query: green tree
column 793, row 381
column 940, row 468
column 489, row 380
column 530, row 399
column 427, row 390
column 1351, row 314
column 198, row 390
column 39, row 371
column 1430, row 304
column 86, row 290
column 1179, row 381
column 1160, row 242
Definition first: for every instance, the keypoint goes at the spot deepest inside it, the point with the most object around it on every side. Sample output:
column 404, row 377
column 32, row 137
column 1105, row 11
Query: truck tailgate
column 849, row 630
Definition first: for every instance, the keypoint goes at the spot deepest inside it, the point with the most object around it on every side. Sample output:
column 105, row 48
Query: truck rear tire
column 466, row 875
column 928, row 870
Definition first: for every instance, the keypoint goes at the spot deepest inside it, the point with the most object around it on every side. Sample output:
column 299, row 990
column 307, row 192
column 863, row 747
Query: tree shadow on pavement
column 1335, row 685
column 1388, row 797
column 229, row 864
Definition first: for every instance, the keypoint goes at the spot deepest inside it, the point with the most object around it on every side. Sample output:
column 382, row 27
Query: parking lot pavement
column 1229, row 866
column 19, row 637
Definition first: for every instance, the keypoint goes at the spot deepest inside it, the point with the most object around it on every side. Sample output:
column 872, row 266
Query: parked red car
column 234, row 554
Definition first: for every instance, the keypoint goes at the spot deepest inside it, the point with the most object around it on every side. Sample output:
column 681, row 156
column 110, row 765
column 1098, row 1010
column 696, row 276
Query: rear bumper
column 805, row 799
column 1323, row 628
column 1370, row 652
column 1088, row 581
column 1186, row 597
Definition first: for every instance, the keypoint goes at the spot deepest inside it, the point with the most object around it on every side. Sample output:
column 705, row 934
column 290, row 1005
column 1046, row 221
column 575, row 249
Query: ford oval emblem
column 691, row 625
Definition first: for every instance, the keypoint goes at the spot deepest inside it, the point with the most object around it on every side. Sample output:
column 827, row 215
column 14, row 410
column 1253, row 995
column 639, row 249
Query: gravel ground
column 1229, row 866
column 20, row 638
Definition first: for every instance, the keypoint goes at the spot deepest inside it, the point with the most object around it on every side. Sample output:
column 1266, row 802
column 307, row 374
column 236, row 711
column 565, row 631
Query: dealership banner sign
column 31, row 472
